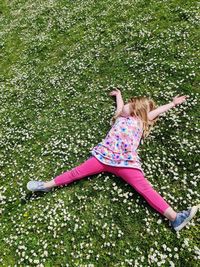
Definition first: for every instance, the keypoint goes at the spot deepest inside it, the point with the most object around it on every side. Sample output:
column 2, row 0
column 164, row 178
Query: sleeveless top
column 119, row 147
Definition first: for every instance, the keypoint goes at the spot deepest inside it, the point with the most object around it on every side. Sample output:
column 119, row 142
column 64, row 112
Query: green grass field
column 58, row 62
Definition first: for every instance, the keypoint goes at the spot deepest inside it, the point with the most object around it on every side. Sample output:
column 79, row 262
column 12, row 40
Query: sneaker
column 183, row 217
column 37, row 186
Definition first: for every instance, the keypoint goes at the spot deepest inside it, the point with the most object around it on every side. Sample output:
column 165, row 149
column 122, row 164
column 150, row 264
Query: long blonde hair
column 139, row 107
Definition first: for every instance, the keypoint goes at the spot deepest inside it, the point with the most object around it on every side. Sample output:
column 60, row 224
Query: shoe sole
column 192, row 214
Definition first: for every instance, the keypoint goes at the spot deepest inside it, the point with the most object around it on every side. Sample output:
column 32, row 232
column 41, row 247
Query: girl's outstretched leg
column 137, row 180
column 89, row 167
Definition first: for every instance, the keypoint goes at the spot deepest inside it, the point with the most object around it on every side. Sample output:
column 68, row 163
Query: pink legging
column 132, row 176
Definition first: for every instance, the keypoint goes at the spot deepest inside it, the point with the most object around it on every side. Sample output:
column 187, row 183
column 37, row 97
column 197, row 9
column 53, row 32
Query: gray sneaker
column 183, row 217
column 37, row 186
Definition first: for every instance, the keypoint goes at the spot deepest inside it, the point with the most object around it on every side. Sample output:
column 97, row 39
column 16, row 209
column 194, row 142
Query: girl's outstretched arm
column 156, row 112
column 119, row 100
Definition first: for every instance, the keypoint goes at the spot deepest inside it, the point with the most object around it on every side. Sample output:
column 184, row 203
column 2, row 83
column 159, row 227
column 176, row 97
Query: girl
column 117, row 154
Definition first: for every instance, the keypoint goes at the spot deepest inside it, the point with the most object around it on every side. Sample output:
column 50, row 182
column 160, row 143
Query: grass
column 58, row 61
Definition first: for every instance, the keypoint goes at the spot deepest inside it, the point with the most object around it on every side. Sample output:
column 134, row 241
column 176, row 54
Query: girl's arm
column 119, row 100
column 156, row 112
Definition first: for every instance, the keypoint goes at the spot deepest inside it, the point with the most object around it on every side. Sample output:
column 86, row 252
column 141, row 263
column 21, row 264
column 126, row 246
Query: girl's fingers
column 112, row 94
column 183, row 96
column 180, row 99
column 115, row 92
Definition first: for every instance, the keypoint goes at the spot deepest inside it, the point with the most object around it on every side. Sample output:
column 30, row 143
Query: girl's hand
column 115, row 92
column 179, row 99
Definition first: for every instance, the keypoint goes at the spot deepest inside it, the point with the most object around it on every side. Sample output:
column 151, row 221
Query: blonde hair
column 139, row 107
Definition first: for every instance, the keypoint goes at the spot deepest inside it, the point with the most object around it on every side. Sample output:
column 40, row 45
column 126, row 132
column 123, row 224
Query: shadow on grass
column 33, row 195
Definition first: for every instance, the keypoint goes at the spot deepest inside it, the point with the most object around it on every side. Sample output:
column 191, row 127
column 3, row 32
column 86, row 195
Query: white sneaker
column 37, row 186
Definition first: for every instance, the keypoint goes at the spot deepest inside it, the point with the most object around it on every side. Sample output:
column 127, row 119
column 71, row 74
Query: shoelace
column 40, row 184
column 186, row 212
column 183, row 215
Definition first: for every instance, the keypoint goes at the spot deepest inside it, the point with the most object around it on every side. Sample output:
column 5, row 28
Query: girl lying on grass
column 117, row 154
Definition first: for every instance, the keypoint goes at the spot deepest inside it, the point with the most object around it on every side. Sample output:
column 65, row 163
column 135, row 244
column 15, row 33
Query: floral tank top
column 119, row 147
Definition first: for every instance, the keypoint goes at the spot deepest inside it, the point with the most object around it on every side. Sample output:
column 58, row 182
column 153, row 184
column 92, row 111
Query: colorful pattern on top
column 119, row 147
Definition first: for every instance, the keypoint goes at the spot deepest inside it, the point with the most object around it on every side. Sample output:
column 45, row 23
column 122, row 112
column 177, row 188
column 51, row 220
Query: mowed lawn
column 58, row 62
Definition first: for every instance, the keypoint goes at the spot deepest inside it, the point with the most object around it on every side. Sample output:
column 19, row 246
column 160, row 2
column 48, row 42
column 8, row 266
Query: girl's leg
column 89, row 167
column 137, row 180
